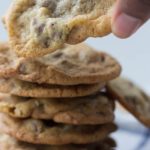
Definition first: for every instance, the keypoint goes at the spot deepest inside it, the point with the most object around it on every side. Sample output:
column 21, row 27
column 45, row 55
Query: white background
column 133, row 54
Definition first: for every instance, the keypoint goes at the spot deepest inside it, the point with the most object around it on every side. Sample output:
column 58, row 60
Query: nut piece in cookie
column 38, row 27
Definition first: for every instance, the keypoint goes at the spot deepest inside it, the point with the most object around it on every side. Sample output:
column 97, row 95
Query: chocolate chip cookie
column 49, row 132
column 133, row 98
column 10, row 143
column 70, row 65
column 39, row 27
column 95, row 109
column 28, row 89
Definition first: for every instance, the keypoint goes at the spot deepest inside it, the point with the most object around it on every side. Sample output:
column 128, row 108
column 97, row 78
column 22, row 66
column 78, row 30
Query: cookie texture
column 48, row 132
column 28, row 89
column 96, row 109
column 39, row 27
column 10, row 143
column 133, row 98
column 70, row 65
column 8, row 61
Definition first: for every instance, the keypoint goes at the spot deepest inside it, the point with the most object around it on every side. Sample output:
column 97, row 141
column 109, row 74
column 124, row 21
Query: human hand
column 129, row 16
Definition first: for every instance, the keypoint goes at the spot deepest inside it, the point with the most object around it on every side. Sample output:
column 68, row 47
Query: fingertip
column 124, row 25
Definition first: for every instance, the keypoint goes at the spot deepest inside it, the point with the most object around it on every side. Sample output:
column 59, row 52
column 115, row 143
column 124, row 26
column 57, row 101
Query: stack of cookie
column 59, row 99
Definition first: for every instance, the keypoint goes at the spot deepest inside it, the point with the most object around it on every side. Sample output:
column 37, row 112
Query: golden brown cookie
column 71, row 65
column 28, row 89
column 133, row 98
column 48, row 132
column 95, row 109
column 39, row 27
column 10, row 143
column 8, row 61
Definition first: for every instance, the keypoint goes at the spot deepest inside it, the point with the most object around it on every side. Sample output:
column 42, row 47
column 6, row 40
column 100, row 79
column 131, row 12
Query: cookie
column 7, row 64
column 133, row 98
column 96, row 109
column 70, row 65
column 39, row 27
column 48, row 132
column 28, row 89
column 10, row 143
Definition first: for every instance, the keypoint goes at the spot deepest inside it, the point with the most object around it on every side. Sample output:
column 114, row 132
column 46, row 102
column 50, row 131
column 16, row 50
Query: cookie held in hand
column 39, row 27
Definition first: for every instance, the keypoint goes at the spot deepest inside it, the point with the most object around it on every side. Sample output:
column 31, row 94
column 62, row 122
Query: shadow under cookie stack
column 58, row 101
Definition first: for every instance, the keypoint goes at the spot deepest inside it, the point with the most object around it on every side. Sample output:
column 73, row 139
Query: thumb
column 129, row 16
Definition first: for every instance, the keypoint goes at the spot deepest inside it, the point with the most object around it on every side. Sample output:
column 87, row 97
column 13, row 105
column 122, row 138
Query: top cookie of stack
column 38, row 27
column 71, row 65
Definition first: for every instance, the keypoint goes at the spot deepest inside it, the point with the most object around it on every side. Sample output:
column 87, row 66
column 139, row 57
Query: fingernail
column 125, row 25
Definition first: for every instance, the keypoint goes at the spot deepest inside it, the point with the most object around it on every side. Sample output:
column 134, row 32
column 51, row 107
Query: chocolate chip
column 102, row 58
column 131, row 84
column 40, row 28
column 53, row 24
column 68, row 64
column 87, row 129
column 46, row 42
column 12, row 110
column 22, row 69
column 34, row 21
column 101, row 113
column 58, row 55
column 131, row 99
column 146, row 98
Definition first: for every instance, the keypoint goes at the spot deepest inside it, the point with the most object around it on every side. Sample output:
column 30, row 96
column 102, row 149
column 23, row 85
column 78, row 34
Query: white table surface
column 134, row 55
